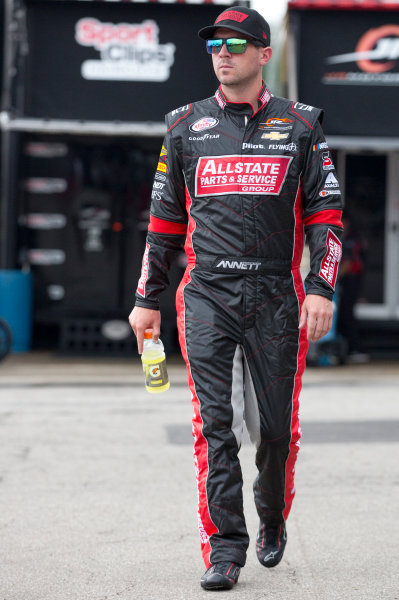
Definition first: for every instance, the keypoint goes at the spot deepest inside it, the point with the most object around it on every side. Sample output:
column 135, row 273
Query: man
column 240, row 175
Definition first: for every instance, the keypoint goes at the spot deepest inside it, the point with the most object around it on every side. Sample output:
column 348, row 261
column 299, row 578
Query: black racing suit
column 238, row 189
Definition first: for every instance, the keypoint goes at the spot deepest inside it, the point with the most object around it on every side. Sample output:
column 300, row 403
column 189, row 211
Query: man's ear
column 265, row 55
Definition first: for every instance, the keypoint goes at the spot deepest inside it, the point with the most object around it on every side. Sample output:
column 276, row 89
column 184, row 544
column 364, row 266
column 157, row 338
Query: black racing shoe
column 270, row 544
column 220, row 576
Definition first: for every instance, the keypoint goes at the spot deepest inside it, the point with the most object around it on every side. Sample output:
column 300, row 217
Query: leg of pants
column 230, row 348
column 275, row 353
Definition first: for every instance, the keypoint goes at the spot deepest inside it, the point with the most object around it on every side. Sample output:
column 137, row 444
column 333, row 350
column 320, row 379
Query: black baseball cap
column 242, row 19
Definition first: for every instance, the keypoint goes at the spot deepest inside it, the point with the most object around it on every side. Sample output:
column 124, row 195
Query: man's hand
column 141, row 319
column 318, row 312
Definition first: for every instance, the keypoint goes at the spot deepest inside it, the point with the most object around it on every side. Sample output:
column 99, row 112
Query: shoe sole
column 210, row 588
column 227, row 585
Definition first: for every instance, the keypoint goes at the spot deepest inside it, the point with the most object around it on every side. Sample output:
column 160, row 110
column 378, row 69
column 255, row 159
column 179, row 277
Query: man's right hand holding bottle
column 141, row 319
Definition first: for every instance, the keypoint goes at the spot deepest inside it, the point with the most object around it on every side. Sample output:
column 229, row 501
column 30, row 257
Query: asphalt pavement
column 98, row 497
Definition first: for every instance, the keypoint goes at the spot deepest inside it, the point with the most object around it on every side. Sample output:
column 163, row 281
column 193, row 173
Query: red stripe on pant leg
column 205, row 524
column 295, row 427
column 301, row 360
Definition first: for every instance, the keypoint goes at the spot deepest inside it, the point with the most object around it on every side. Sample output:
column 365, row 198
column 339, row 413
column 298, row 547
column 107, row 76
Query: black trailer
column 344, row 57
column 85, row 89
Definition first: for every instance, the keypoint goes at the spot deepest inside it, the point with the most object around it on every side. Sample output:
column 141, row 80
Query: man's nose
column 224, row 51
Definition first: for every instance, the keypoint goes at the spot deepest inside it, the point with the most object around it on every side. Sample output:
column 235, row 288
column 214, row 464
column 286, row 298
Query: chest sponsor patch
column 330, row 262
column 275, row 135
column 277, row 123
column 233, row 174
column 204, row 123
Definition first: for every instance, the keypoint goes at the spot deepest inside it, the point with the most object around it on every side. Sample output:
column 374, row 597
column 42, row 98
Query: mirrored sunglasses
column 233, row 45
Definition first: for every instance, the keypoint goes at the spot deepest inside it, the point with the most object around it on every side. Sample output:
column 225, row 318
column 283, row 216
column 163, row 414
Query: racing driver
column 242, row 176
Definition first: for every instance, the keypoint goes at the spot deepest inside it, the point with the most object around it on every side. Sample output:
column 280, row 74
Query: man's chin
column 226, row 80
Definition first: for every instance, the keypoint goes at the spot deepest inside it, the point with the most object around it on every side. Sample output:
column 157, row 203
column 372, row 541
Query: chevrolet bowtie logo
column 275, row 135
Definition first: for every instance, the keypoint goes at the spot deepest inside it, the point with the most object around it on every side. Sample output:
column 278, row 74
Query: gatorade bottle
column 154, row 365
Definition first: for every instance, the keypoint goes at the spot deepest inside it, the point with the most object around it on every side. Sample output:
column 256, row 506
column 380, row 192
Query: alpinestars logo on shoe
column 233, row 174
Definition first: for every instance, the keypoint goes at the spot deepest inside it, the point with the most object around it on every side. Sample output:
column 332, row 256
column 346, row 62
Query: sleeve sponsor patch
column 144, row 272
column 326, row 161
column 162, row 167
column 330, row 262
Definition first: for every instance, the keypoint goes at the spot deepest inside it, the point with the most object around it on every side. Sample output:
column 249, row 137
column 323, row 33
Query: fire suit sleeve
column 322, row 213
column 167, row 228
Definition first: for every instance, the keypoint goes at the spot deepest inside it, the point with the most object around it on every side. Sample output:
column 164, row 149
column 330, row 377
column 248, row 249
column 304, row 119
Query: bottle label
column 156, row 374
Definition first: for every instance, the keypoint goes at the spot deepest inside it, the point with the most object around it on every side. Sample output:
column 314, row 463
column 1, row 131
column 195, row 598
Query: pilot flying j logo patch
column 235, row 174
column 330, row 262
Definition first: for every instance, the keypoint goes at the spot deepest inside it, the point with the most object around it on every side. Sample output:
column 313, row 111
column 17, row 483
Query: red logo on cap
column 232, row 15
column 264, row 35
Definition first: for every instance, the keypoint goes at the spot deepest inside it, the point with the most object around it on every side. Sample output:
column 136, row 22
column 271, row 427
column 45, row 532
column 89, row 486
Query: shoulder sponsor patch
column 162, row 167
column 321, row 146
column 144, row 272
column 330, row 262
column 235, row 174
column 155, row 195
column 325, row 193
column 326, row 161
column 164, row 152
column 305, row 107
column 204, row 123
column 331, row 181
column 180, row 110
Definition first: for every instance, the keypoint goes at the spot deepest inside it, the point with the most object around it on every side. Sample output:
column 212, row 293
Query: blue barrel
column 16, row 307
